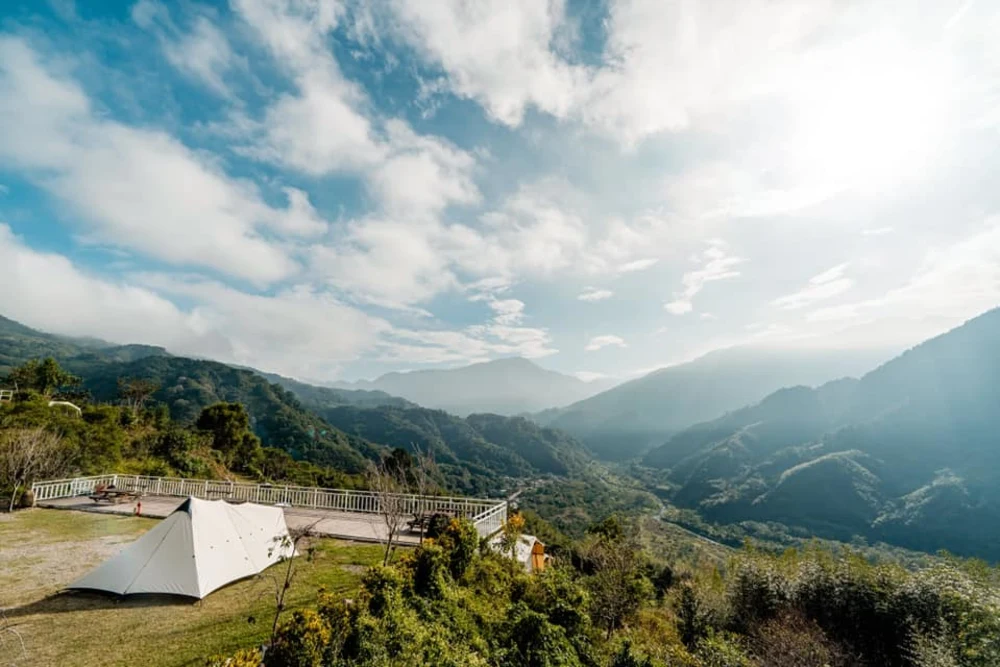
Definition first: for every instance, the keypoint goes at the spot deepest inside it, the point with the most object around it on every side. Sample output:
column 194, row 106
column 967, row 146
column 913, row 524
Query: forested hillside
column 333, row 428
column 907, row 454
column 633, row 417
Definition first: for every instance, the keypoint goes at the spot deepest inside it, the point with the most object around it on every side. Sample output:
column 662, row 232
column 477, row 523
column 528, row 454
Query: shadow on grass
column 69, row 601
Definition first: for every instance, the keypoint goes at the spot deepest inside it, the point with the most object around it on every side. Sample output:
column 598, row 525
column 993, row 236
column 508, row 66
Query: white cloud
column 666, row 62
column 637, row 265
column 877, row 231
column 954, row 283
column 594, row 294
column 138, row 188
column 598, row 342
column 507, row 311
column 717, row 264
column 499, row 53
column 590, row 376
column 297, row 331
column 203, row 53
column 422, row 175
column 824, row 286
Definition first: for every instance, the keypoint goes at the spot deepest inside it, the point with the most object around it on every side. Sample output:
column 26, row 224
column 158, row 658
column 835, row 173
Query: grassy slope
column 46, row 549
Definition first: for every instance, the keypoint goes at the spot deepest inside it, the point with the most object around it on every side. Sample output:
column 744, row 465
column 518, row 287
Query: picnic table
column 420, row 523
column 110, row 494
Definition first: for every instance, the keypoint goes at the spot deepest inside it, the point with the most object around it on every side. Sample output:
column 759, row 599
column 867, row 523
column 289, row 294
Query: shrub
column 535, row 642
column 460, row 540
column 722, row 650
column 301, row 641
column 429, row 571
column 250, row 657
column 381, row 588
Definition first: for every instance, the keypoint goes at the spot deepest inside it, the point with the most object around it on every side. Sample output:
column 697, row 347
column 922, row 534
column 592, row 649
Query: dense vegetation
column 907, row 454
column 606, row 602
column 332, row 428
column 40, row 440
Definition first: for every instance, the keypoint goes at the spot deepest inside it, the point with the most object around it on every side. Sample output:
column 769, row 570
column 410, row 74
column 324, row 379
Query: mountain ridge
column 506, row 386
column 908, row 443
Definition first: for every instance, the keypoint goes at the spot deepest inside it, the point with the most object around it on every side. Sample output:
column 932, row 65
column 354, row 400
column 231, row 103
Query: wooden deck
column 328, row 523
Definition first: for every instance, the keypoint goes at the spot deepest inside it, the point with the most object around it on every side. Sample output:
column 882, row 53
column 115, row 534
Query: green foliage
column 625, row 658
column 692, row 623
column 722, row 650
column 46, row 377
column 430, row 571
column 250, row 657
column 382, row 589
column 460, row 540
column 537, row 642
column 229, row 426
column 302, row 641
column 879, row 611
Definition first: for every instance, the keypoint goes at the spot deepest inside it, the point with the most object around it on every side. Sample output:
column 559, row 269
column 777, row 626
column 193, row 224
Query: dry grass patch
column 41, row 551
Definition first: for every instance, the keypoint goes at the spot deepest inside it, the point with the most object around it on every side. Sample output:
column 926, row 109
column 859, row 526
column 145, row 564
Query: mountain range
column 907, row 454
column 508, row 386
column 628, row 419
column 340, row 428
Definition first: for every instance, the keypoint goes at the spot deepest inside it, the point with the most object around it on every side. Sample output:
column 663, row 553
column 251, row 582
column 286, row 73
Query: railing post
column 159, row 483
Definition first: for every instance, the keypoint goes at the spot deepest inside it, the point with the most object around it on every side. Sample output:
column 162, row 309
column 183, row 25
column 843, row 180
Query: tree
column 617, row 586
column 229, row 425
column 45, row 377
column 288, row 547
column 388, row 484
column 134, row 392
column 510, row 533
column 421, row 477
column 691, row 621
column 27, row 454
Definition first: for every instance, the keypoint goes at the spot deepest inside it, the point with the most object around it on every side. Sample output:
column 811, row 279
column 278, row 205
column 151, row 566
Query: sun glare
column 869, row 118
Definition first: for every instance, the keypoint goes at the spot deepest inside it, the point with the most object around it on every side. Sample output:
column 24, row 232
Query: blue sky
column 332, row 189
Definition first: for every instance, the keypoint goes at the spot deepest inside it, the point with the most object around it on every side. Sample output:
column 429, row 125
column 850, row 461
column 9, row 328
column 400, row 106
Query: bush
column 381, row 588
column 302, row 641
column 430, row 569
column 460, row 540
column 722, row 650
column 250, row 657
column 535, row 642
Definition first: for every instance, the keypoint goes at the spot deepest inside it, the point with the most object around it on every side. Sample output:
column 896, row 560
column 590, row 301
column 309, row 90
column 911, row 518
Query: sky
column 334, row 189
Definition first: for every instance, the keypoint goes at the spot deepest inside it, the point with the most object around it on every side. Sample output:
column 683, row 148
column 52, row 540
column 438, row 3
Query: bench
column 114, row 496
column 419, row 524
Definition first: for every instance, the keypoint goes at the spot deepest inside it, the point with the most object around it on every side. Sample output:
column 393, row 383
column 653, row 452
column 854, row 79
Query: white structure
column 202, row 546
column 487, row 515
column 529, row 551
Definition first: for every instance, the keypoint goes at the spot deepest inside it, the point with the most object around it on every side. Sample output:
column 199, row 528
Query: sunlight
column 870, row 117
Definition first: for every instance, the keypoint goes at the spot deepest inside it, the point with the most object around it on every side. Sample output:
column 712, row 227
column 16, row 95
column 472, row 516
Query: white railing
column 487, row 515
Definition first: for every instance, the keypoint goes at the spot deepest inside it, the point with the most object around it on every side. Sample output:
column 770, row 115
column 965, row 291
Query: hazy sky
column 334, row 189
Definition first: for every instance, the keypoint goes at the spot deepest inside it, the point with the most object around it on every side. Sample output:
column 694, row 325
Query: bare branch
column 388, row 483
column 28, row 454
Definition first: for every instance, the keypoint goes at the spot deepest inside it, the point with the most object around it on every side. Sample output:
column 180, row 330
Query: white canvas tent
column 202, row 546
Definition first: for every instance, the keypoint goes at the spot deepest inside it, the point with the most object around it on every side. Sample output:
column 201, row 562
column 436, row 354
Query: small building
column 529, row 552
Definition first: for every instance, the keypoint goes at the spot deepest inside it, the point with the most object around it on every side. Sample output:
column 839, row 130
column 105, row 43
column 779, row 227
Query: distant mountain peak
column 506, row 386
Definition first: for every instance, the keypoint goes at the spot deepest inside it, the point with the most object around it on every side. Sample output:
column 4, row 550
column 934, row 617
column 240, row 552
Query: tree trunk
column 13, row 497
column 388, row 550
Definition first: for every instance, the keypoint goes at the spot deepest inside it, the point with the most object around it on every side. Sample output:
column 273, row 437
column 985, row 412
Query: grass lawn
column 43, row 550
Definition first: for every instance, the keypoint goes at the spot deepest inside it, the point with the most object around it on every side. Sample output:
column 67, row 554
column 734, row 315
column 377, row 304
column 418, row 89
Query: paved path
column 329, row 523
